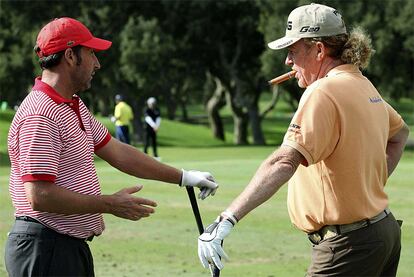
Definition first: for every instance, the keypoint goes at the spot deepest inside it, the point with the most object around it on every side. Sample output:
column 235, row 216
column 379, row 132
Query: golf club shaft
column 215, row 272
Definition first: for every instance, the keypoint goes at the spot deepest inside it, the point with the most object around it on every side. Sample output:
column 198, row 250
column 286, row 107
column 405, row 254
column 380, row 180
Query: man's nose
column 288, row 61
column 97, row 64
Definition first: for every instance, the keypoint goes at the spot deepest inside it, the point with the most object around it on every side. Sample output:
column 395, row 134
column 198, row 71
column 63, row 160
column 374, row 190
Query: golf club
column 215, row 272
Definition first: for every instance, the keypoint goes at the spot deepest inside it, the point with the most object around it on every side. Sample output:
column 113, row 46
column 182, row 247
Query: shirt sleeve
column 150, row 122
column 314, row 130
column 39, row 149
column 395, row 120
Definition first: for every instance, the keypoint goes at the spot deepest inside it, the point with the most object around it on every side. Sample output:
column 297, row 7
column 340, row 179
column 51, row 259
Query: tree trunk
column 214, row 104
column 240, row 129
column 184, row 112
column 137, row 125
column 171, row 107
column 256, row 125
column 240, row 120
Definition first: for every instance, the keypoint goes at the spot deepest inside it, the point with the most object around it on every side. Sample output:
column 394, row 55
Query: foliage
column 165, row 48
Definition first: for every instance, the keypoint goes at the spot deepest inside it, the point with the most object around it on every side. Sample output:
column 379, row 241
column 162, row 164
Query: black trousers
column 35, row 250
column 370, row 251
column 151, row 139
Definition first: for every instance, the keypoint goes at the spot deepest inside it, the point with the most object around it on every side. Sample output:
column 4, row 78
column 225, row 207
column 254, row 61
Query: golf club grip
column 215, row 272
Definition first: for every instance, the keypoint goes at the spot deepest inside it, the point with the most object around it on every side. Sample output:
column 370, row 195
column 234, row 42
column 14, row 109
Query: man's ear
column 70, row 56
column 321, row 51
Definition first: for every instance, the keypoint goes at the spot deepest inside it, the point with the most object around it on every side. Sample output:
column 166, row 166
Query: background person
column 343, row 143
column 123, row 116
column 152, row 118
column 53, row 182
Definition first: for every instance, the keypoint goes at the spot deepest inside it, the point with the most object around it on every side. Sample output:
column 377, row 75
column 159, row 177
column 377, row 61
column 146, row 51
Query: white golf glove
column 203, row 180
column 210, row 249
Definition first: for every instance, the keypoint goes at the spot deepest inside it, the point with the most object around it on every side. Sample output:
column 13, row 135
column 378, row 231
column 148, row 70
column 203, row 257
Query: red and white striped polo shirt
column 54, row 139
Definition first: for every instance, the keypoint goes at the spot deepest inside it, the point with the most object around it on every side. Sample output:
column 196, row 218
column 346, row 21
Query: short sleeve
column 39, row 147
column 314, row 130
column 395, row 120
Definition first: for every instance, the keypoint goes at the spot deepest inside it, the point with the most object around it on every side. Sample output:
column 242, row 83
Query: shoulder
column 38, row 103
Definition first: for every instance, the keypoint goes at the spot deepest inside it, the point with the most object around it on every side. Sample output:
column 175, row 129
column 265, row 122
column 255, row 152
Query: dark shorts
column 370, row 251
column 35, row 250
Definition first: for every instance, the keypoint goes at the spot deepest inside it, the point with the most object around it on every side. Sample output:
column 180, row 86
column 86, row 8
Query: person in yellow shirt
column 343, row 143
column 123, row 117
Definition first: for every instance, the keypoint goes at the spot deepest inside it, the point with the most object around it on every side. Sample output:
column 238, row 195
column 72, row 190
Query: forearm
column 275, row 171
column 133, row 162
column 395, row 148
column 140, row 165
column 150, row 122
column 394, row 153
column 48, row 197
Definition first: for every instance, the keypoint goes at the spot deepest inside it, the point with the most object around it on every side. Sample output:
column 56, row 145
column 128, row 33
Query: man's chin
column 302, row 84
column 85, row 88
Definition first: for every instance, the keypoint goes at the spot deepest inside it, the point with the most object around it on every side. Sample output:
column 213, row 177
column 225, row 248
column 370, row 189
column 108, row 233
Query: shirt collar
column 343, row 68
column 52, row 93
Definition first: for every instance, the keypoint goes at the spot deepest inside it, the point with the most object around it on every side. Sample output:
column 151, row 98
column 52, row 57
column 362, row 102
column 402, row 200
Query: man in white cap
column 343, row 143
column 152, row 116
column 53, row 181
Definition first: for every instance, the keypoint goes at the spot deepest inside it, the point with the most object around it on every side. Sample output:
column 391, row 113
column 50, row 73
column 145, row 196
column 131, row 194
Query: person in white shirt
column 152, row 117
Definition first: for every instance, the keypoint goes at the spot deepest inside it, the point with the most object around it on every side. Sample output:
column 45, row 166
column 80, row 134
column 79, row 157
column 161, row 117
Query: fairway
column 263, row 244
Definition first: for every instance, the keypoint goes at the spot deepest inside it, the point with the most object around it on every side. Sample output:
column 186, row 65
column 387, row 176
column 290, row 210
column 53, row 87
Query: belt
column 330, row 231
column 31, row 219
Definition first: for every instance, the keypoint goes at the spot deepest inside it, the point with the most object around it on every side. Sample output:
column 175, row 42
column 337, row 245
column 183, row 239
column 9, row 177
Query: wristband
column 233, row 219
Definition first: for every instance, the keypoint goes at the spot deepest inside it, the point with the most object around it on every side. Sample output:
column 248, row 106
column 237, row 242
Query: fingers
column 202, row 256
column 125, row 205
column 204, row 192
column 216, row 258
column 145, row 201
column 133, row 189
column 208, row 253
column 220, row 252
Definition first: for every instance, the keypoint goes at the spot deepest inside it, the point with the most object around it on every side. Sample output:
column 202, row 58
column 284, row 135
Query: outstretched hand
column 125, row 205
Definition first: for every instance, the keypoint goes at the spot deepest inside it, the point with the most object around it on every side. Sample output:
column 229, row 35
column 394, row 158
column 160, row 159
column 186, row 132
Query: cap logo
column 309, row 29
column 289, row 25
column 70, row 43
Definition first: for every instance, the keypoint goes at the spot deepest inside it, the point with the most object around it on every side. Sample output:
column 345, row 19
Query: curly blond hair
column 353, row 48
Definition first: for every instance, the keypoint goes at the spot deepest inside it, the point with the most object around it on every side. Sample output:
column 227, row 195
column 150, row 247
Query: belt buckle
column 315, row 237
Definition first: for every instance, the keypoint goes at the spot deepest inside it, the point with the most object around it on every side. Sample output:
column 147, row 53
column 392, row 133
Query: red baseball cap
column 65, row 32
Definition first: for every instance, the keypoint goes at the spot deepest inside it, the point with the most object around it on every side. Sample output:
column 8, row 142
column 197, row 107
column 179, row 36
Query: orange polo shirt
column 341, row 127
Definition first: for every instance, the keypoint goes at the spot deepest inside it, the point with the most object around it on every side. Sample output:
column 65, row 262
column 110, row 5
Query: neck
column 327, row 66
column 58, row 82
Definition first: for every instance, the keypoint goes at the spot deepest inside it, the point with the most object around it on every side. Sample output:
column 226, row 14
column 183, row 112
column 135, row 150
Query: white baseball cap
column 309, row 21
column 151, row 101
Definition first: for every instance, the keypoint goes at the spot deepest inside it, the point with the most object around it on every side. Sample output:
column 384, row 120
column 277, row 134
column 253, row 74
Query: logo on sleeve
column 375, row 99
column 294, row 128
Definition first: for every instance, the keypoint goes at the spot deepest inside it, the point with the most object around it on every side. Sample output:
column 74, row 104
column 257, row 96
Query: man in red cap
column 53, row 182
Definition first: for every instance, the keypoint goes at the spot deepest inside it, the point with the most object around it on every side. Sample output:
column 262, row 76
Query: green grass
column 263, row 244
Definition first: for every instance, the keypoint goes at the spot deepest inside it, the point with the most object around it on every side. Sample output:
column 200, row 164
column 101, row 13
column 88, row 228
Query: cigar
column 282, row 78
